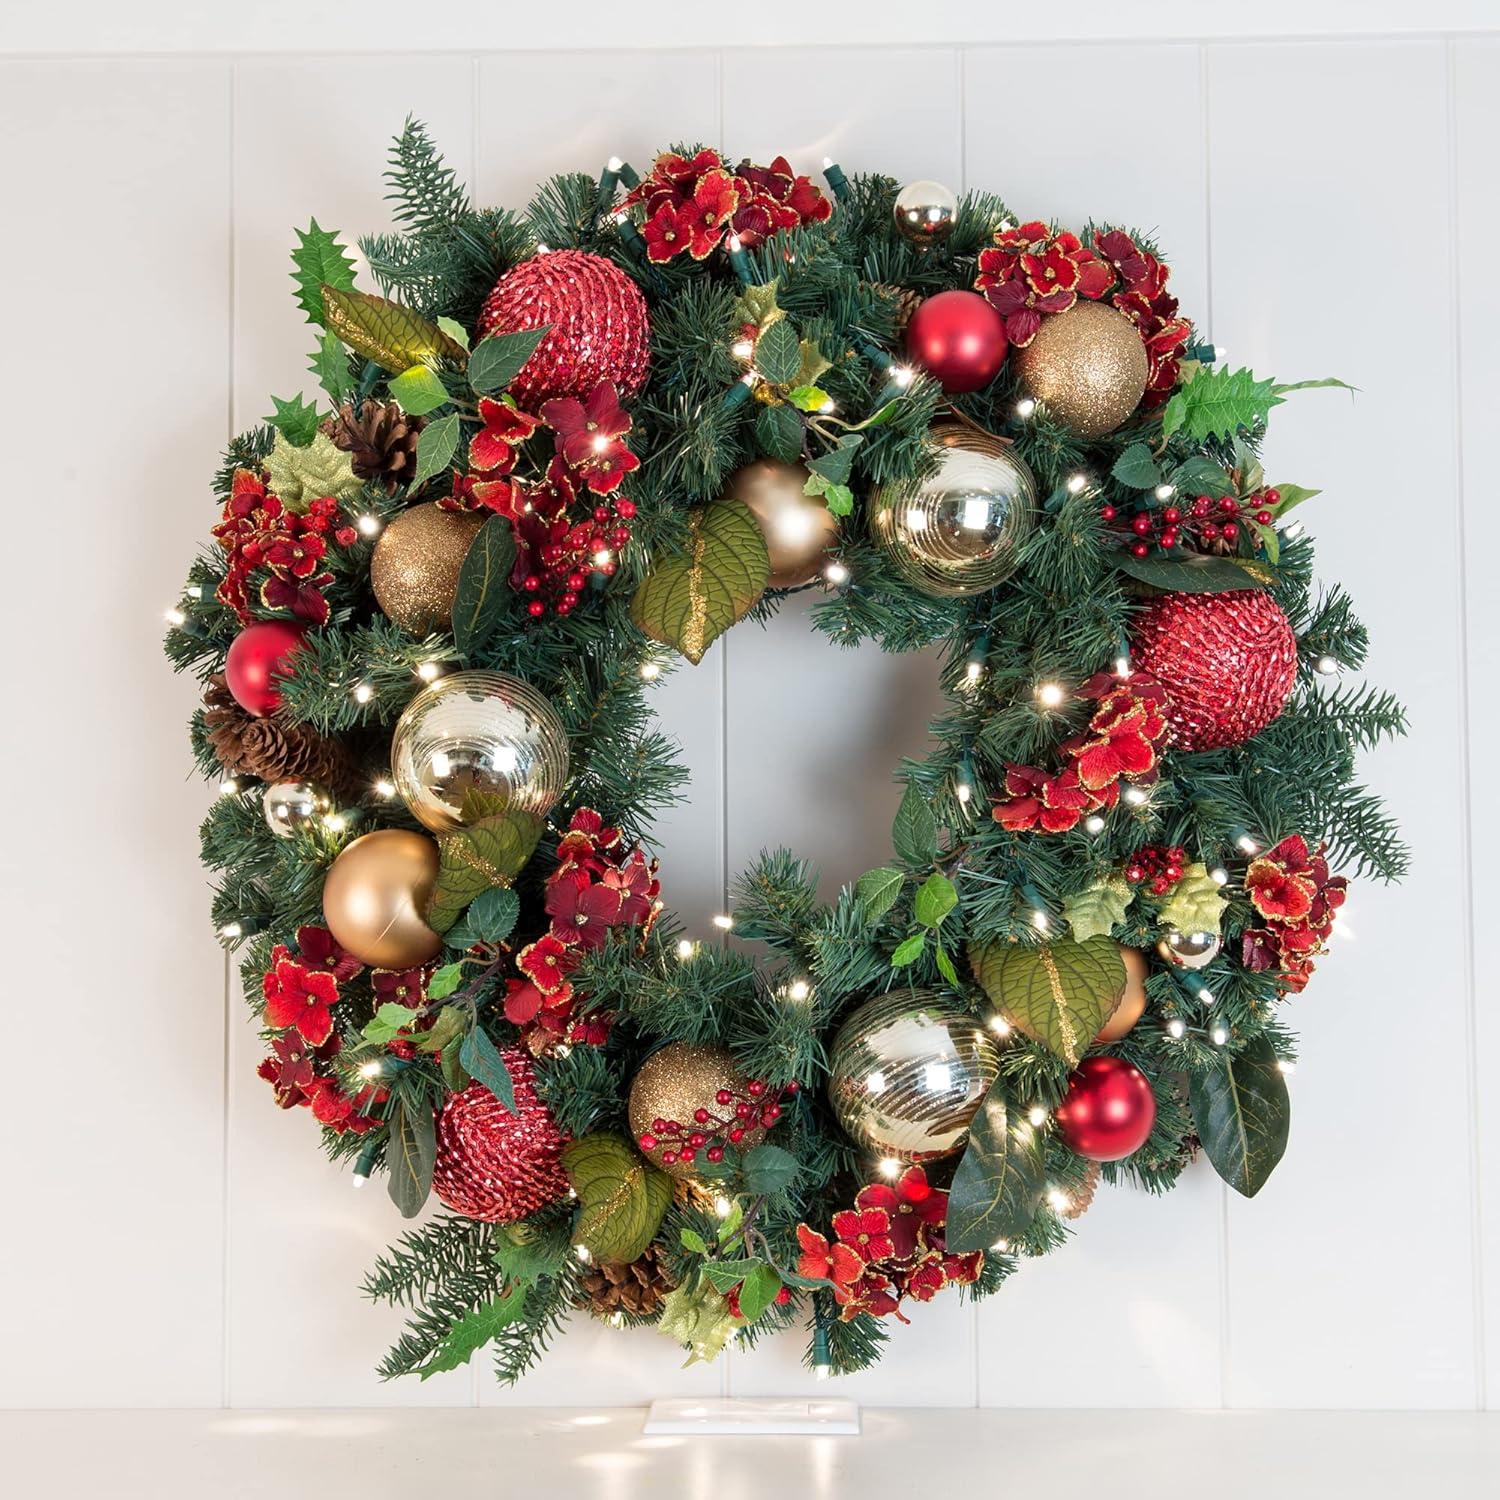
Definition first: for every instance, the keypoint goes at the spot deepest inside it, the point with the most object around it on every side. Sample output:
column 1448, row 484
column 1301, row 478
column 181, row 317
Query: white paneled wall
column 169, row 1238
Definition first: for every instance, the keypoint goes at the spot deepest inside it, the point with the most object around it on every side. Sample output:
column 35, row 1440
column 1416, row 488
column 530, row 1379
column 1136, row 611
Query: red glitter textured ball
column 1227, row 662
column 495, row 1165
column 600, row 330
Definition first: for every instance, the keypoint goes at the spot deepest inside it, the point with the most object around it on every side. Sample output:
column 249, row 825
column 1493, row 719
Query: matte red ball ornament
column 493, row 1164
column 258, row 655
column 1108, row 1111
column 599, row 326
column 1228, row 662
column 958, row 339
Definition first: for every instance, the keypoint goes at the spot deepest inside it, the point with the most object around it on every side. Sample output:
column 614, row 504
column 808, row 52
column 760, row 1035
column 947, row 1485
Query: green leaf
column 1198, row 475
column 492, row 915
column 876, row 891
column 778, row 353
column 409, row 1155
column 497, row 360
column 724, row 1275
column 756, row 305
column 909, row 950
column 690, row 1239
column 1270, row 539
column 419, row 391
column 1060, row 994
column 483, row 1060
column 450, row 1024
column 393, row 336
column 809, row 398
column 836, row 464
column 944, row 964
column 914, row 833
column 622, row 1198
column 526, row 1252
column 436, row 445
column 488, row 852
column 390, row 1019
column 1196, row 573
column 1243, row 1115
column 997, row 1187
column 688, row 601
column 699, row 1320
column 471, row 1333
column 1095, row 911
column 320, row 261
column 769, row 1169
column 455, row 1075
column 814, row 364
column 1218, row 402
column 936, row 897
column 331, row 365
column 1292, row 495
column 1196, row 903
column 840, row 499
column 445, row 981
column 455, row 331
column 880, row 416
column 758, row 1291
column 1136, row 468
column 298, row 476
column 778, row 433
column 483, row 597
column 295, row 420
column 1328, row 382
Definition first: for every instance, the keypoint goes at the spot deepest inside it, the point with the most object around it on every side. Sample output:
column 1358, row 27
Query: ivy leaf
column 1243, row 1115
column 622, row 1198
column 445, row 981
column 778, row 433
column 876, row 891
column 295, row 420
column 936, row 897
column 488, row 852
column 471, row 1333
column 778, row 353
column 1196, row 904
column 410, row 1153
column 1197, row 573
column 1136, row 468
column 483, row 1060
column 758, row 1291
column 688, row 601
column 769, row 1169
column 492, row 914
column 436, row 445
column 914, row 833
column 320, row 261
column 1060, row 994
column 419, row 391
column 497, row 360
column 331, row 365
column 944, row 964
column 1094, row 912
column 482, row 596
column 724, row 1275
column 1218, row 402
column 809, row 398
column 997, row 1187
column 909, row 951
column 455, row 331
column 393, row 336
column 690, row 1239
column 387, row 1022
column 838, row 497
column 835, row 465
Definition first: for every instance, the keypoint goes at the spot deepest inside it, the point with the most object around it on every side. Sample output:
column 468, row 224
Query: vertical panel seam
column 475, row 86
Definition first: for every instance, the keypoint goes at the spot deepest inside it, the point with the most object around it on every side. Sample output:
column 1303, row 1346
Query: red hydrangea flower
column 1292, row 889
column 911, row 1206
column 398, row 987
column 525, row 1003
column 1124, row 731
column 318, row 949
column 925, row 1280
column 875, row 1294
column 1036, row 800
column 546, row 963
column 668, row 232
column 340, row 1111
column 589, row 437
column 1143, row 297
column 866, row 1230
column 289, row 1069
column 839, row 1263
column 505, row 429
column 582, row 913
column 1031, row 271
column 299, row 997
column 963, row 1270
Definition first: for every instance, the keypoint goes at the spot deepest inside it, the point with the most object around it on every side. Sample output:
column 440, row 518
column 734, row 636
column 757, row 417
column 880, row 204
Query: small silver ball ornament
column 292, row 805
column 925, row 212
column 1190, row 950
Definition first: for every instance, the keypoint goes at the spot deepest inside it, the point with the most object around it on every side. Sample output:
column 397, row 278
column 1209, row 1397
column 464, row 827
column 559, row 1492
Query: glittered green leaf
column 295, row 420
column 473, row 1331
column 699, row 1320
column 1243, row 1115
column 483, row 1060
column 1095, row 911
column 778, row 353
column 395, row 337
column 488, row 852
column 877, row 890
column 935, row 898
column 1196, row 573
column 409, row 1155
column 689, row 600
column 497, row 360
column 436, row 445
column 1196, row 903
column 756, row 305
column 914, row 832
column 319, row 261
column 483, row 597
column 1136, row 468
column 997, row 1187
column 622, row 1198
column 418, row 391
column 1060, row 994
column 298, row 476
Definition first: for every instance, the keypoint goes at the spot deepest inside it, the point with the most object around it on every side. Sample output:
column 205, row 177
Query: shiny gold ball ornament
column 925, row 212
column 798, row 528
column 478, row 743
column 414, row 567
column 957, row 534
column 1190, row 950
column 1131, row 1005
column 375, row 895
column 292, row 805
column 907, row 1073
column 670, row 1087
column 1087, row 366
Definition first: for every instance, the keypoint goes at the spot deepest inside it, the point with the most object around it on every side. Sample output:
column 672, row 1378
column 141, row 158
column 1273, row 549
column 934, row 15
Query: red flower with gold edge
column 866, row 1231
column 319, row 949
column 299, row 997
column 911, row 1205
column 825, row 1261
column 1032, row 270
column 1124, row 731
column 495, row 446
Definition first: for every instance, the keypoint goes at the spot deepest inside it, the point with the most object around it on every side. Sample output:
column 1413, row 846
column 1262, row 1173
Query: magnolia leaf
column 473, row 1332
column 393, row 336
column 935, row 898
column 492, row 914
column 455, row 330
column 481, row 1057
column 1218, row 402
column 1094, row 912
column 409, row 1155
column 1292, row 495
column 688, row 601
column 1136, row 468
column 622, row 1198
column 436, row 445
column 997, row 1187
column 944, row 964
column 298, row 476
column 1196, row 573
column 1270, row 539
column 778, row 354
column 1060, row 994
column 320, row 261
column 295, row 420
column 778, row 433
column 914, row 832
column 331, row 365
column 909, row 951
column 877, row 890
column 1196, row 903
column 490, row 851
column 1243, row 1115
column 497, row 360
column 483, row 596
column 769, row 1169
column 758, row 1291
column 757, row 306
column 699, row 1320
column 419, row 391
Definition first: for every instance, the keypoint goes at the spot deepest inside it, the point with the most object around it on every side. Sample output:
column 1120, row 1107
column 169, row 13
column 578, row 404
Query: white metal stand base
column 749, row 1416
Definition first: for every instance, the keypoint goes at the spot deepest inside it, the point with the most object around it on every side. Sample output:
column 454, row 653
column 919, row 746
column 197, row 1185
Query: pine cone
column 224, row 725
column 907, row 302
column 636, row 1290
column 1083, row 1194
column 271, row 750
column 380, row 439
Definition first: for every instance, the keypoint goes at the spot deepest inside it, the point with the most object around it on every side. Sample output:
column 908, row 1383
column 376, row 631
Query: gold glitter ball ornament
column 798, row 528
column 908, row 1072
column 414, row 567
column 478, row 743
column 675, row 1081
column 925, row 212
column 1087, row 366
column 291, row 805
column 375, row 898
column 1190, row 950
column 957, row 534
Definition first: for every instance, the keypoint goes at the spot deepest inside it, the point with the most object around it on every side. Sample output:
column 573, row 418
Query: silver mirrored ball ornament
column 1190, row 950
column 925, row 212
column 290, row 805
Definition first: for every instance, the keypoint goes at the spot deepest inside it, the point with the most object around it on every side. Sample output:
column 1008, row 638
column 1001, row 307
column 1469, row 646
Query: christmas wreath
column 558, row 450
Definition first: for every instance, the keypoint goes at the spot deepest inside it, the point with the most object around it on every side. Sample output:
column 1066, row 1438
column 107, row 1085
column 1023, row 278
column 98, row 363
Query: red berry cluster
column 1212, row 525
column 759, row 1106
column 559, row 568
column 1158, row 867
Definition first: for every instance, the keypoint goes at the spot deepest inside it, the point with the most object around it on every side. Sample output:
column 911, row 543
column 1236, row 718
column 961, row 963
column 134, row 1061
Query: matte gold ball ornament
column 375, row 896
column 925, row 212
column 907, row 1073
column 1087, row 366
column 672, row 1084
column 414, row 568
column 958, row 533
column 478, row 743
column 292, row 805
column 1190, row 950
column 798, row 528
column 1132, row 1002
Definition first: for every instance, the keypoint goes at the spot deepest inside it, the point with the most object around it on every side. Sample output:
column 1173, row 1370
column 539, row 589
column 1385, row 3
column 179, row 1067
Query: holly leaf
column 497, row 360
column 876, row 891
column 488, row 852
column 481, row 1057
column 419, row 391
column 436, row 445
column 778, row 353
column 758, row 1291
column 492, row 914
column 1327, row 382
column 525, row 1253
column 395, row 337
column 756, row 305
column 409, row 1154
column 472, row 1332
column 622, row 1198
column 688, row 601
column 909, row 950
column 778, row 433
column 295, row 420
column 936, row 897
column 1136, row 468
column 1243, row 1115
column 331, row 365
column 809, row 398
column 1060, row 994
column 914, row 832
column 1196, row 903
column 483, row 596
column 1218, row 402
column 699, row 1320
column 769, row 1169
column 997, row 1187
column 319, row 261
column 1197, row 573
column 1095, row 911
column 391, row 1019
